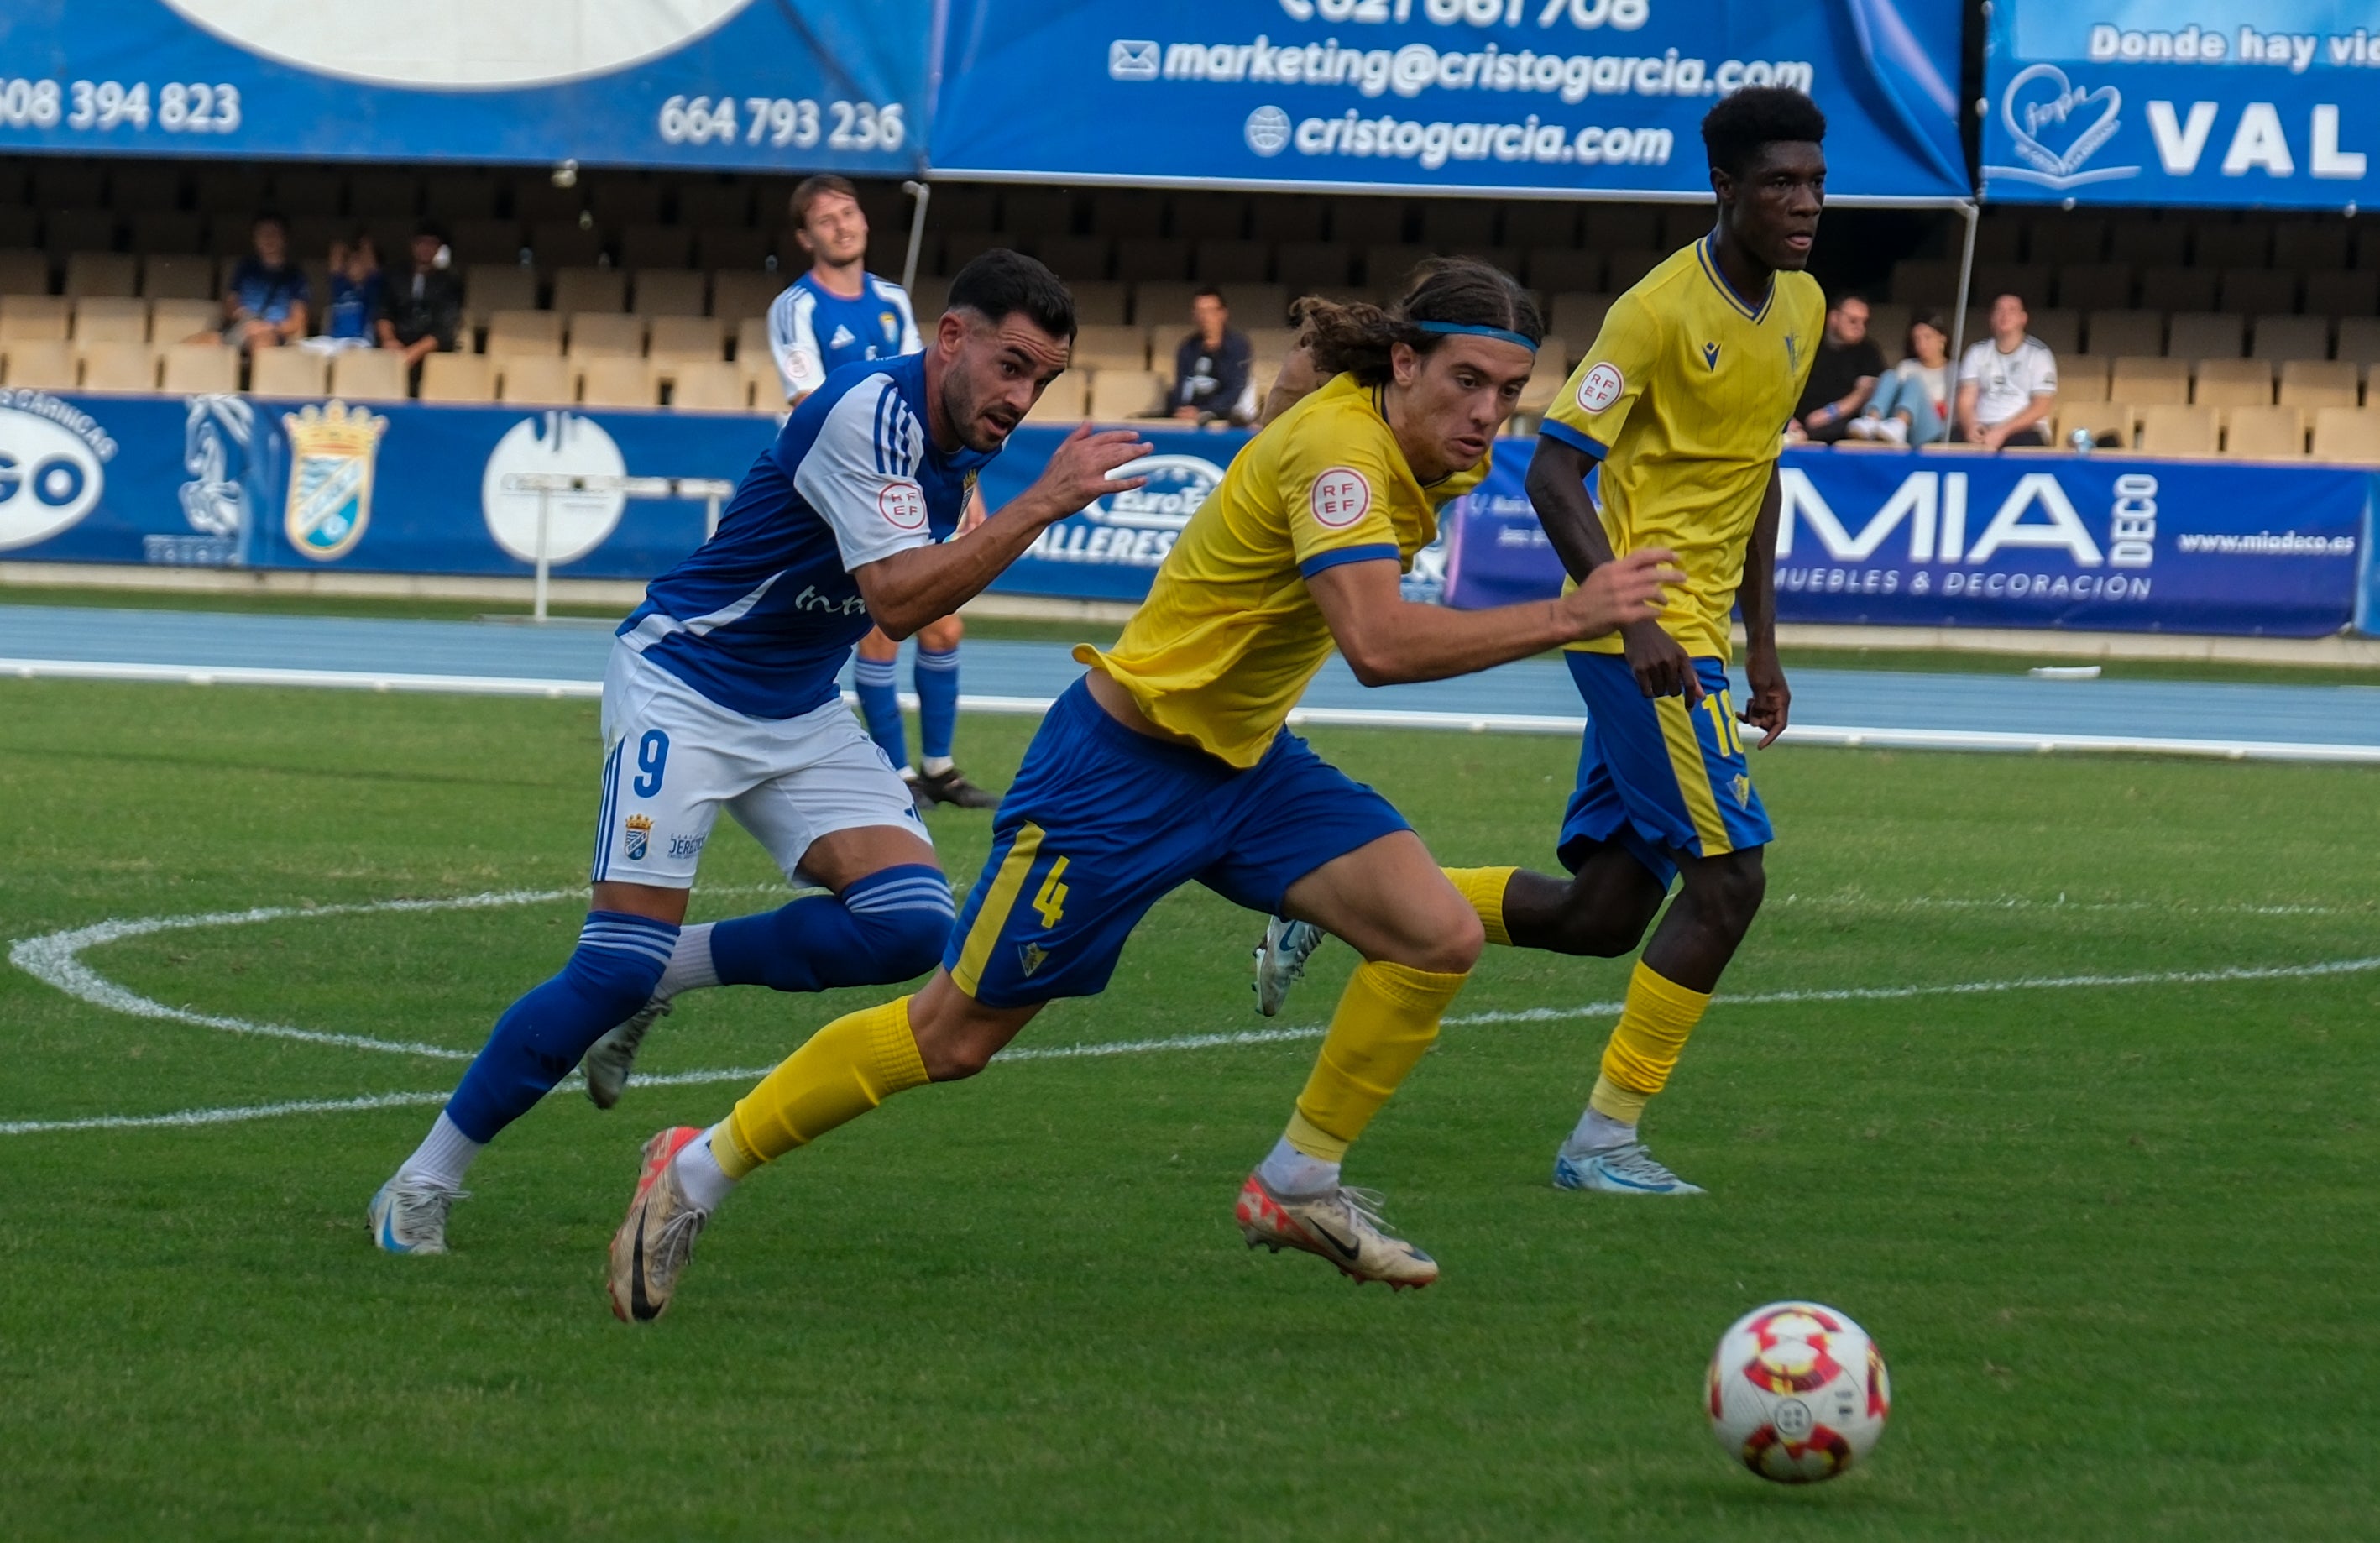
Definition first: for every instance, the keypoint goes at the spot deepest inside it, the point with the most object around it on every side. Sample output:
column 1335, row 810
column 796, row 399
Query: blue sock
column 615, row 966
column 890, row 926
column 937, row 676
column 882, row 708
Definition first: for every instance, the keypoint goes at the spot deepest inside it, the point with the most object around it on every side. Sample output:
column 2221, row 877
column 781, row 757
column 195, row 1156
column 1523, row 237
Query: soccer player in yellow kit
column 1681, row 403
column 1299, row 548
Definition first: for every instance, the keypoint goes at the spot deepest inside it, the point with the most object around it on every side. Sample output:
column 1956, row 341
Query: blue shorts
column 1655, row 775
column 1102, row 823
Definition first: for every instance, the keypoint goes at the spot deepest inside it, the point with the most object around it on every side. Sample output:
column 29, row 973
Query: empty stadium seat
column 71, row 230
column 37, row 363
column 2096, row 286
column 2347, row 434
column 131, row 189
column 2141, row 381
column 2291, row 337
column 2169, row 288
column 2170, row 429
column 119, row 367
column 718, row 247
column 687, row 338
column 1112, row 348
column 23, row 272
column 35, row 316
column 2265, row 433
column 2205, row 335
column 167, row 230
column 735, row 296
column 1554, row 270
column 1629, row 225
column 612, row 382
column 111, row 320
column 288, row 372
column 1550, row 223
column 169, row 277
column 1214, row 216
column 603, row 335
column 1062, row 402
column 1546, row 377
column 1074, row 257
column 20, row 229
column 176, row 321
column 1117, row 395
column 1308, row 266
column 711, row 386
column 2233, row 246
column 958, row 249
column 489, row 287
column 1098, row 302
column 524, row 332
column 90, row 273
column 1578, row 319
column 1452, row 226
column 2081, row 378
column 458, row 378
column 714, row 204
column 2000, row 237
column 591, row 289
column 2342, row 294
column 537, row 380
column 669, row 293
column 2234, row 383
column 1152, row 257
column 1630, row 263
column 1232, row 261
column 2312, row 383
column 2144, row 239
column 1298, row 219
column 2305, row 244
column 2028, row 282
column 2068, row 238
column 2058, row 328
column 1918, row 281
column 2121, row 334
column 1373, row 221
column 2358, row 340
column 2258, row 291
column 625, row 200
column 656, row 246
column 200, row 368
column 369, row 375
column 1034, row 212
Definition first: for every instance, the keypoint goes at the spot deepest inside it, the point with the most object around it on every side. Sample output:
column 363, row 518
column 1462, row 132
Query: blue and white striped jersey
column 761, row 618
column 814, row 331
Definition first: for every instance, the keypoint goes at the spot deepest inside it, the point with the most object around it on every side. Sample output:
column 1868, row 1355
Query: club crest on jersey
column 638, row 830
column 1710, row 354
column 1741, row 788
column 331, row 449
column 1339, row 498
column 892, row 326
column 1600, row 386
column 1792, row 350
column 1030, row 957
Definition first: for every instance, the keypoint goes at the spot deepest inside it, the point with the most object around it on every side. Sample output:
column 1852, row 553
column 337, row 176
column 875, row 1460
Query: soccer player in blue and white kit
column 722, row 694
column 833, row 314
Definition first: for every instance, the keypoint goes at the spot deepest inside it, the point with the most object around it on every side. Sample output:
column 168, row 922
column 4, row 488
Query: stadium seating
column 2170, row 429
column 288, row 372
column 367, row 376
column 119, row 367
column 536, row 380
column 2347, row 434
column 711, row 385
column 1117, row 395
column 200, row 369
column 2265, row 433
column 616, row 382
column 458, row 378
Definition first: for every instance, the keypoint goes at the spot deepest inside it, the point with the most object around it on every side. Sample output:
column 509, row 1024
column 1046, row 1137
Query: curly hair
column 1735, row 131
column 1354, row 337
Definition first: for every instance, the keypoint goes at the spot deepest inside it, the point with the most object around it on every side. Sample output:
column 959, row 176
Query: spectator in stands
column 351, row 316
column 1212, row 365
column 1911, row 404
column 1841, row 377
column 423, row 310
column 2008, row 386
column 265, row 305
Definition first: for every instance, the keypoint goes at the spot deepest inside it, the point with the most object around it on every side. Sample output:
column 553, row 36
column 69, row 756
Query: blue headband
column 1468, row 330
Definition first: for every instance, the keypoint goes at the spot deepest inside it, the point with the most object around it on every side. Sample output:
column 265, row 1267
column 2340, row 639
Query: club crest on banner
column 332, row 451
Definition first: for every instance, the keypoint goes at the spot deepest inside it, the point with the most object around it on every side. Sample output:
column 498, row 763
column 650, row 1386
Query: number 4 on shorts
column 1051, row 899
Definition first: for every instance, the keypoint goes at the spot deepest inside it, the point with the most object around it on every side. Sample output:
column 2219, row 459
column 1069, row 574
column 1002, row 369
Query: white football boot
column 1342, row 1226
column 408, row 1216
column 1624, row 1170
column 1280, row 960
column 610, row 1060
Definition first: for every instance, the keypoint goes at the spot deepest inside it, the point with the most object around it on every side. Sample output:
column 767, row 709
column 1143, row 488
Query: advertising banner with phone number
column 1460, row 95
column 813, row 85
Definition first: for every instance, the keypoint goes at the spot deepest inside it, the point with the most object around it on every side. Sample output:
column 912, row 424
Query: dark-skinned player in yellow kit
column 1679, row 410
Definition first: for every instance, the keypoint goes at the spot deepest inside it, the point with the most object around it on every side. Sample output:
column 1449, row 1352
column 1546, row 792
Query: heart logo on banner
column 2042, row 108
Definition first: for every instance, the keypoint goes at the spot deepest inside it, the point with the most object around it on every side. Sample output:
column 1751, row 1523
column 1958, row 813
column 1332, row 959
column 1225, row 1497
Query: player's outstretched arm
column 1387, row 640
column 1770, row 700
column 923, row 584
column 1557, row 487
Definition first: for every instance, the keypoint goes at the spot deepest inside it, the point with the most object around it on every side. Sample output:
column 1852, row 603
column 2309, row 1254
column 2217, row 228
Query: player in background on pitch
column 834, row 314
column 1300, row 547
column 1682, row 402
column 722, row 694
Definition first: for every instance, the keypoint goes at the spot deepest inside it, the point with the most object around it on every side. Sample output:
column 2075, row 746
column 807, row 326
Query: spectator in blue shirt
column 264, row 304
column 357, row 298
column 1212, row 367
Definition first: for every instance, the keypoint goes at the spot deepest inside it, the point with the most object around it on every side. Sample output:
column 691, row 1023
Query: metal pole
column 923, row 192
column 1959, row 312
column 544, row 510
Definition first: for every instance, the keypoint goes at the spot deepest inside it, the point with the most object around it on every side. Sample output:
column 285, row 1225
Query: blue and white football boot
column 1280, row 960
column 408, row 1216
column 1624, row 1170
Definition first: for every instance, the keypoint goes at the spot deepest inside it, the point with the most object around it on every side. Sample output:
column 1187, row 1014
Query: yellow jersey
column 1684, row 398
column 1229, row 635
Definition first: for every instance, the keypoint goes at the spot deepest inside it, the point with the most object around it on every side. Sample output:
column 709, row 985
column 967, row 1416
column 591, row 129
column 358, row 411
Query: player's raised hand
column 1083, row 467
column 1623, row 592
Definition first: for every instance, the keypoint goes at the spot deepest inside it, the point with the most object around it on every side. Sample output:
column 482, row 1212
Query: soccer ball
column 1798, row 1392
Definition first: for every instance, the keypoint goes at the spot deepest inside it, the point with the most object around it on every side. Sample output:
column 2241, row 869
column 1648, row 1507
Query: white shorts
column 674, row 757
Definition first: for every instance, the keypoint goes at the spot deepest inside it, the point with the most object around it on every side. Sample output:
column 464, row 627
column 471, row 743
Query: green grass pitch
column 2117, row 1240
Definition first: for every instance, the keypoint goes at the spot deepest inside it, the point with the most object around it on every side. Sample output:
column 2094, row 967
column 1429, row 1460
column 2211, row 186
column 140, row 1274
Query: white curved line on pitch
column 1259, row 1036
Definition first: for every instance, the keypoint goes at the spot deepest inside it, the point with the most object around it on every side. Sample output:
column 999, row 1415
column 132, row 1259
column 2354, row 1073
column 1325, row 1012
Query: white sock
column 689, row 967
column 1596, row 1131
column 1287, row 1171
column 443, row 1157
column 934, row 766
column 705, row 1182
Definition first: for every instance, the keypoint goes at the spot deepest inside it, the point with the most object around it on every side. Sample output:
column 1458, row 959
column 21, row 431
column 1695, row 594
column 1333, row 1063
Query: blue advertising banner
column 695, row 84
column 2221, row 103
column 237, row 482
column 1460, row 95
column 2094, row 543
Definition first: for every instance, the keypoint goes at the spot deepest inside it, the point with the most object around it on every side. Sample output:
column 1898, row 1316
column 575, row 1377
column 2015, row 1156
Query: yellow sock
column 1386, row 1019
column 1484, row 887
column 1644, row 1050
column 846, row 1069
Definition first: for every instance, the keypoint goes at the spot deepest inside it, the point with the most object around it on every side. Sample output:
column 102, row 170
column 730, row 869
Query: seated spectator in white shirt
column 1911, row 404
column 2006, row 386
